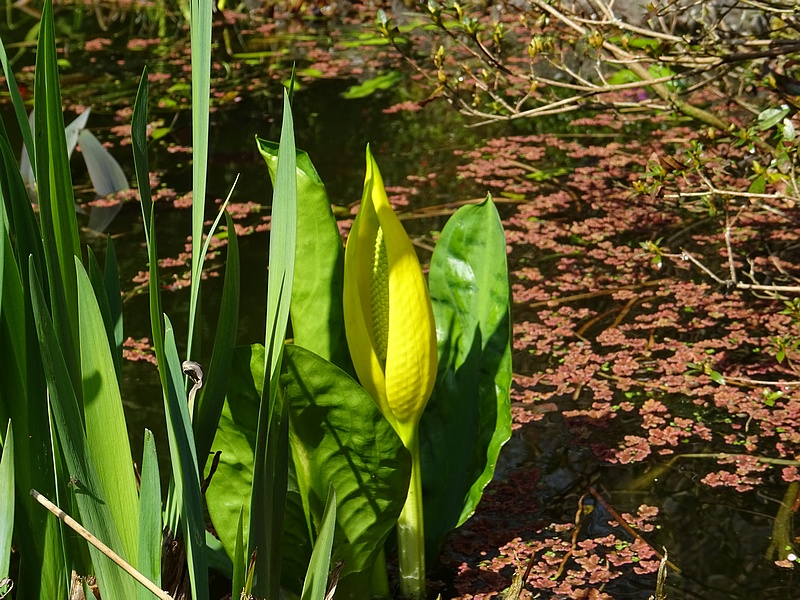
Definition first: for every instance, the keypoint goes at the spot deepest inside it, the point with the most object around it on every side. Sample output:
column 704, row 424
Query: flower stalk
column 392, row 340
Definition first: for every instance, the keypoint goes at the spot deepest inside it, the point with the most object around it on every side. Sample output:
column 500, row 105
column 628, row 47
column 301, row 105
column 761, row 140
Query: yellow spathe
column 387, row 310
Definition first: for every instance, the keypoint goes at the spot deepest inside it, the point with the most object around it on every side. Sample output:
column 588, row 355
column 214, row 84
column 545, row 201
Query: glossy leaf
column 340, row 438
column 316, row 307
column 468, row 417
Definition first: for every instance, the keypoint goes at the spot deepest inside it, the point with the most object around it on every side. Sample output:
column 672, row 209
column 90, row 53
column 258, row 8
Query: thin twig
column 94, row 541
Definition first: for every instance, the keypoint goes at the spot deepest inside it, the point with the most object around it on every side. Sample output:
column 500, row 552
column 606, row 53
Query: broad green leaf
column 229, row 492
column 772, row 116
column 468, row 417
column 7, row 492
column 96, row 515
column 316, row 581
column 317, row 314
column 381, row 82
column 340, row 438
column 758, row 186
column 266, row 490
column 149, row 558
column 106, row 430
column 56, row 201
column 212, row 396
column 185, row 475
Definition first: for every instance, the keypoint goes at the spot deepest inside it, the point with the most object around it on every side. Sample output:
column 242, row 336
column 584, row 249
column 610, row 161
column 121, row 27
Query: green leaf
column 239, row 559
column 200, row 28
column 7, row 492
column 623, row 76
column 23, row 400
column 17, row 101
column 99, row 286
column 114, row 295
column 96, row 515
column 468, row 417
column 209, row 406
column 185, row 474
column 340, row 438
column 316, row 307
column 56, row 201
column 385, row 81
column 229, row 492
column 759, row 185
column 264, row 530
column 150, row 528
column 22, row 220
column 772, row 116
column 106, row 430
column 316, row 581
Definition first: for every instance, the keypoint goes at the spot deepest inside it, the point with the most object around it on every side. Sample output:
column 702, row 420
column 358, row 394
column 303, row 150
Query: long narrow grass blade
column 279, row 292
column 23, row 400
column 239, row 559
column 89, row 492
column 210, row 404
column 103, row 302
column 56, row 201
column 17, row 101
column 6, row 491
column 114, row 295
column 185, row 472
column 149, row 562
column 106, row 430
column 21, row 218
column 139, row 144
column 316, row 582
column 201, row 89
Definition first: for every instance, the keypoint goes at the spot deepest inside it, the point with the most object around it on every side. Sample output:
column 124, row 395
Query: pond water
column 565, row 474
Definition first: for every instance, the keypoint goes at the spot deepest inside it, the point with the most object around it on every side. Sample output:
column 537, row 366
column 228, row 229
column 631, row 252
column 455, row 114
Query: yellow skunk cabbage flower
column 387, row 311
